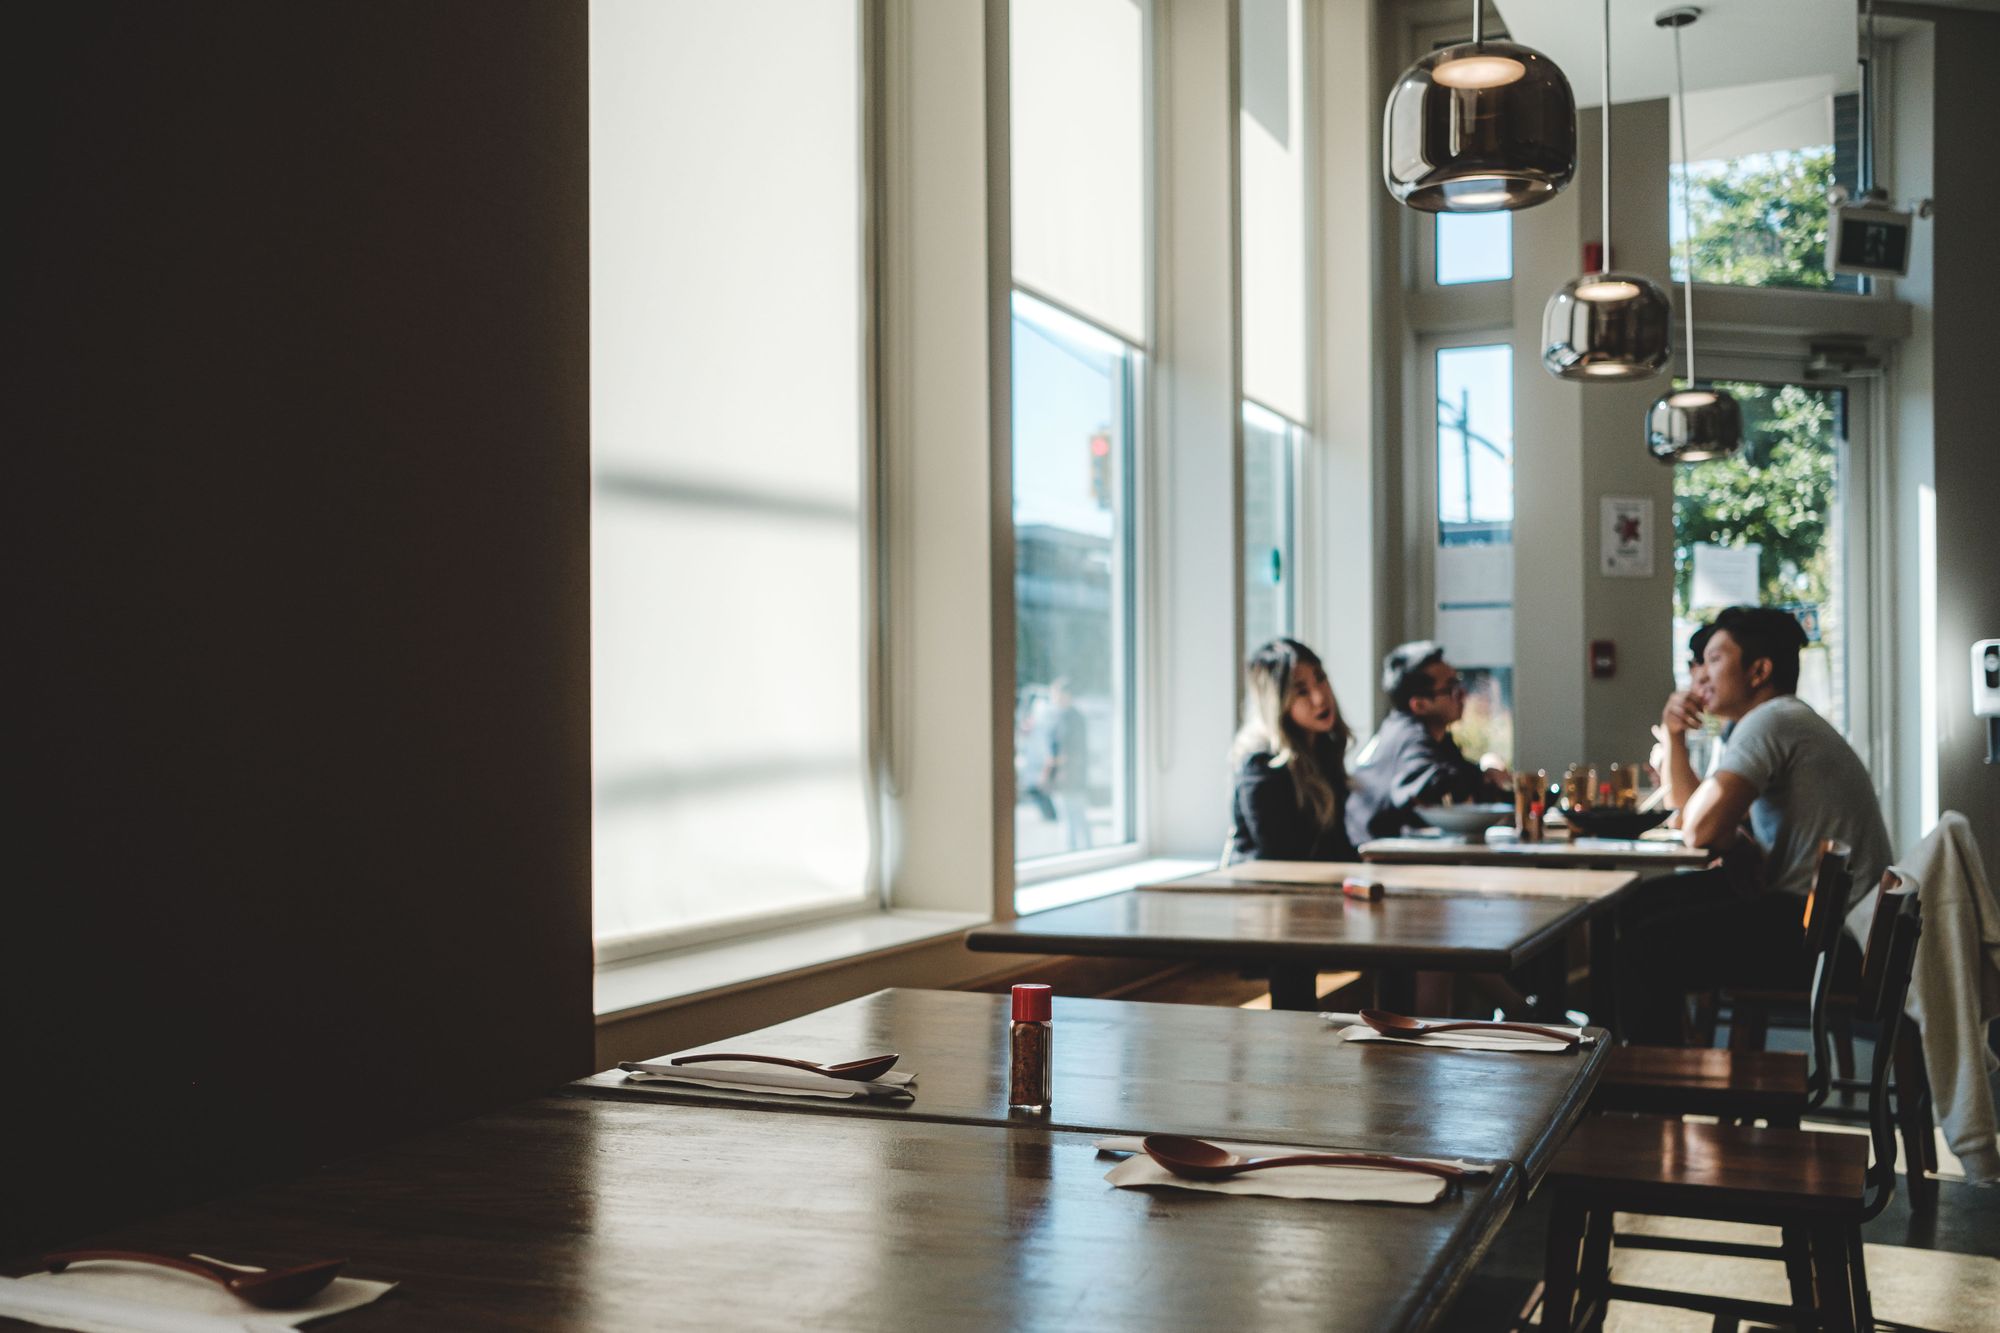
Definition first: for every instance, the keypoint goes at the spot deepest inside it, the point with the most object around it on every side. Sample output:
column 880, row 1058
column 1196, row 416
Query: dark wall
column 1967, row 456
column 294, row 418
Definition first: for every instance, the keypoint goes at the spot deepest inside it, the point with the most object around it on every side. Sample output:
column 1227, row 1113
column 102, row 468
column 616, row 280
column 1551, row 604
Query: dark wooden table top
column 568, row 1213
column 1446, row 934
column 1652, row 855
column 1126, row 1067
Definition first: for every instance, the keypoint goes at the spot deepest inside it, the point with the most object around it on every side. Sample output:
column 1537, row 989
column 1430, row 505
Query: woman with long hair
column 1291, row 761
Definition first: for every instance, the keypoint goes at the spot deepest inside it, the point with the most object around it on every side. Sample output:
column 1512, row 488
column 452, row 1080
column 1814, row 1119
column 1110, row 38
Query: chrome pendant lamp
column 1479, row 127
column 1694, row 424
column 1606, row 325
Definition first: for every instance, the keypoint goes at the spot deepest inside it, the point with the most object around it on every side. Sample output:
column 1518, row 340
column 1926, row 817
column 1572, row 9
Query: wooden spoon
column 269, row 1289
column 859, row 1071
column 1198, row 1159
column 1395, row 1025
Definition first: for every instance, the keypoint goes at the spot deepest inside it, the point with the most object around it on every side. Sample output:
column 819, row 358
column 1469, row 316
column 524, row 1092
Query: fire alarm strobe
column 1986, row 693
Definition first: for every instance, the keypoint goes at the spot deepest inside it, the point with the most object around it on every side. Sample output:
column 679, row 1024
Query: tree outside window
column 1759, row 221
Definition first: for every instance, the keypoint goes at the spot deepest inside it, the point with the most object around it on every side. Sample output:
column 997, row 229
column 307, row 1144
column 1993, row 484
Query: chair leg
column 1706, row 1010
column 1913, row 1119
column 1832, row 1279
column 1594, row 1282
column 1857, row 1269
column 1749, row 1026
column 1295, row 988
column 1842, row 1023
column 1798, row 1268
column 1559, row 1266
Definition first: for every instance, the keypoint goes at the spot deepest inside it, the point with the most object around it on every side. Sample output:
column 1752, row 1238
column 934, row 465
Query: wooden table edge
column 1690, row 858
column 1214, row 884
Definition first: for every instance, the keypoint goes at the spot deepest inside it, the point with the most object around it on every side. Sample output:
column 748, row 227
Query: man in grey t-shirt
column 1797, row 782
column 1805, row 785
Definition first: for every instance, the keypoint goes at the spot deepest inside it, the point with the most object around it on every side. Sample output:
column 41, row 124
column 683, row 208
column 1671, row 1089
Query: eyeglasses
column 1456, row 685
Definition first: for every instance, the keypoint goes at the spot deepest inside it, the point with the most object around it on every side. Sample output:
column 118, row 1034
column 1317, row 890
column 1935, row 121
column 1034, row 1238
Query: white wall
column 1911, row 420
column 947, row 697
column 1190, row 575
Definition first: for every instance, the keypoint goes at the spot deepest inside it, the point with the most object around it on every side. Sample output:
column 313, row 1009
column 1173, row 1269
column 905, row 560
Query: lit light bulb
column 1606, row 289
column 1479, row 71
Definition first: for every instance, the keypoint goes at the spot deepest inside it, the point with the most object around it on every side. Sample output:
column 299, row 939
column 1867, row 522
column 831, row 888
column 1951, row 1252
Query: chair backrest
column 1826, row 909
column 1892, row 951
column 1876, row 955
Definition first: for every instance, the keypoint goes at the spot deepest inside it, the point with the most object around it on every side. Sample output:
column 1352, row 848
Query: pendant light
column 1606, row 325
column 1694, row 424
column 1479, row 127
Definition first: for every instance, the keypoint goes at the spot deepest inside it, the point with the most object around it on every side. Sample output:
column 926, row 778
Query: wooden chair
column 1774, row 1086
column 1818, row 1188
column 1744, row 1075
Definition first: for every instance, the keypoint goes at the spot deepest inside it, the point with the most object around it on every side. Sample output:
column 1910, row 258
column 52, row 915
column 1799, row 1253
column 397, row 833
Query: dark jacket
column 1272, row 824
column 1408, row 769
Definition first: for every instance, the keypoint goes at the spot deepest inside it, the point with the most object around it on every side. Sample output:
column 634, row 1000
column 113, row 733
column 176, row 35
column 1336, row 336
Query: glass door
column 1783, row 523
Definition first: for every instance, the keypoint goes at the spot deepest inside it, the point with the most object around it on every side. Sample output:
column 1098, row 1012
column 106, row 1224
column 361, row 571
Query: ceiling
column 1735, row 42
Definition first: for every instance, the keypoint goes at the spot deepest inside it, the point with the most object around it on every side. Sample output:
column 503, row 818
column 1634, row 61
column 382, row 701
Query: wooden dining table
column 1599, row 890
column 1292, row 935
column 576, row 1212
column 1123, row 1066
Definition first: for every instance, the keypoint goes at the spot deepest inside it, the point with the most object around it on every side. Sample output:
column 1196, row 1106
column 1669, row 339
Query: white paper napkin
column 752, row 1076
column 1353, row 1029
column 1350, row 1184
column 113, row 1296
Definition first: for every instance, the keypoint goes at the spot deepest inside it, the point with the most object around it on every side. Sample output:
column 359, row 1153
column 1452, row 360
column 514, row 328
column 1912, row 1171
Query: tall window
column 729, row 453
column 1475, row 526
column 1760, row 159
column 1270, row 444
column 1763, row 528
column 1080, row 242
column 1273, row 185
column 1474, row 247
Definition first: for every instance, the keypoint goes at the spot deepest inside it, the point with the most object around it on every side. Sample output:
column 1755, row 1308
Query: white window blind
column 1273, row 171
column 727, row 361
column 1079, row 156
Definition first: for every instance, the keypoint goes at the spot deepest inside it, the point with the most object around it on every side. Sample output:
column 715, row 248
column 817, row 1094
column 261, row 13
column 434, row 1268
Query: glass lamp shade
column 1693, row 426
column 1606, row 326
column 1478, row 128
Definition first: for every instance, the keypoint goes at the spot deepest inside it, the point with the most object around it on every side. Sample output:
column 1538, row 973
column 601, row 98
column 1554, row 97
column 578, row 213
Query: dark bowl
column 1614, row 823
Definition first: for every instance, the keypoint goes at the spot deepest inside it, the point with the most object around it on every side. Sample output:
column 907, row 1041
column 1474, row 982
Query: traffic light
column 1100, row 468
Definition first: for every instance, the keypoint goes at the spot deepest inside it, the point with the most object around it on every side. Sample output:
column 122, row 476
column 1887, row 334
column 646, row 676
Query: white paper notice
column 1628, row 536
column 1725, row 575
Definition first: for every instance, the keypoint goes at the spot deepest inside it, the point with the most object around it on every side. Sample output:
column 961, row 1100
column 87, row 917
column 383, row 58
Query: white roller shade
column 727, row 357
column 1079, row 156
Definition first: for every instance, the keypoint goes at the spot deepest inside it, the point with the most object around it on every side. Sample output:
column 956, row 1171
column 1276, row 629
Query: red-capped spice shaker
column 1029, row 1071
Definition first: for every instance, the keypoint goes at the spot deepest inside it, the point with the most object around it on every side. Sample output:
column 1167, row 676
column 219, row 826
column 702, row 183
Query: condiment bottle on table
column 1029, row 1068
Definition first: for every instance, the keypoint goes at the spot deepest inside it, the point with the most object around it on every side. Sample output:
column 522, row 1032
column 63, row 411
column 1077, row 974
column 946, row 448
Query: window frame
column 1860, row 458
column 1126, row 627
column 1421, row 507
column 1142, row 383
column 1295, row 436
